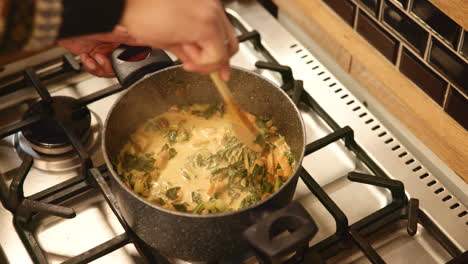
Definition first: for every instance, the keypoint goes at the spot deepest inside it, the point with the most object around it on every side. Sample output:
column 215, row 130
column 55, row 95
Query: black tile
column 449, row 64
column 457, row 108
column 414, row 34
column 437, row 20
column 372, row 5
column 377, row 36
column 422, row 76
column 464, row 49
column 345, row 9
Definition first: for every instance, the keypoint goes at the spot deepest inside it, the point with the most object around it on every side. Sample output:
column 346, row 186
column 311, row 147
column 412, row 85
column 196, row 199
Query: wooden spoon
column 244, row 129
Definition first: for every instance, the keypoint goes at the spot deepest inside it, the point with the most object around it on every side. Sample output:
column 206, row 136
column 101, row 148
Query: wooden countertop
column 422, row 116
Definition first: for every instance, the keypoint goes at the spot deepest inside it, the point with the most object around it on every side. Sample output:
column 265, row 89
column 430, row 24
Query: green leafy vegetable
column 180, row 207
column 172, row 136
column 267, row 187
column 249, row 200
column 207, row 113
column 199, row 208
column 133, row 162
column 147, row 184
column 271, row 134
column 160, row 201
column 172, row 153
column 185, row 175
column 261, row 123
column 259, row 139
column 173, row 193
column 196, row 197
column 290, row 157
column 278, row 166
column 200, row 161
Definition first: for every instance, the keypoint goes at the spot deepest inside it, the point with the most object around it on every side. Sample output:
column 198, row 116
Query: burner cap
column 46, row 136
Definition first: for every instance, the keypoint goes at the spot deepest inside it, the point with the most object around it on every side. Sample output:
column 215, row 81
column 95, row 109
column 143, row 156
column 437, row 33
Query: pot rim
column 192, row 215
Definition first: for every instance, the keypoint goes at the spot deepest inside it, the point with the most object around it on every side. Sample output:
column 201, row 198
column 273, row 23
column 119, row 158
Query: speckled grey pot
column 184, row 235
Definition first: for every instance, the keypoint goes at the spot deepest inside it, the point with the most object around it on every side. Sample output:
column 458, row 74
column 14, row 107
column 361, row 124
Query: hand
column 94, row 50
column 197, row 32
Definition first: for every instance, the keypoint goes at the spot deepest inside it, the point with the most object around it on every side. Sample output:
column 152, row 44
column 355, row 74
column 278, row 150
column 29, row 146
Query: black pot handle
column 128, row 72
column 294, row 219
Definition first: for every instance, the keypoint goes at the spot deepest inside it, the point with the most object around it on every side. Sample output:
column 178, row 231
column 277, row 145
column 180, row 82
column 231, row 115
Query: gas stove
column 372, row 199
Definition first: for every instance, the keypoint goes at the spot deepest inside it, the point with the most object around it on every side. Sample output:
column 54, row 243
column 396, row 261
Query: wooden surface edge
column 409, row 104
column 455, row 9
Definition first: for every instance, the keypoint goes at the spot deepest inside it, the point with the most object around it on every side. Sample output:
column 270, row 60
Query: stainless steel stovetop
column 95, row 223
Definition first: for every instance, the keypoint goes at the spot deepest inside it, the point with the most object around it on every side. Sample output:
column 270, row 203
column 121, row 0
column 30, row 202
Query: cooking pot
column 156, row 83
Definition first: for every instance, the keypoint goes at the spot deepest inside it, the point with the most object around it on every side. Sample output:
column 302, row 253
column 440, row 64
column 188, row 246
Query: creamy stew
column 189, row 159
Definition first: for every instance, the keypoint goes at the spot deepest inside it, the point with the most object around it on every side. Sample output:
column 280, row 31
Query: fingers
column 98, row 65
column 212, row 52
column 233, row 45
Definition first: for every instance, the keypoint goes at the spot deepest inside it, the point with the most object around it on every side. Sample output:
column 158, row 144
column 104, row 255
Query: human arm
column 197, row 32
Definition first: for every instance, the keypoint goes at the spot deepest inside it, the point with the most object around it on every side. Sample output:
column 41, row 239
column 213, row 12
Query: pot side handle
column 292, row 218
column 129, row 69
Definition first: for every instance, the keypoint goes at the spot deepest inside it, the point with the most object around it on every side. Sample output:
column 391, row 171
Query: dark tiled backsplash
column 377, row 36
column 422, row 76
column 437, row 20
column 372, row 5
column 409, row 30
column 456, row 107
column 344, row 8
column 464, row 49
column 449, row 64
column 433, row 52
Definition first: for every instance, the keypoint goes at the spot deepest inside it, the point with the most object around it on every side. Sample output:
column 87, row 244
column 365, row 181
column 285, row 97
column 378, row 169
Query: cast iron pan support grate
column 46, row 201
column 345, row 236
column 25, row 208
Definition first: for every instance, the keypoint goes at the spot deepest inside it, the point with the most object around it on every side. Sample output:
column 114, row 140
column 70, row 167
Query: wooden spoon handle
column 231, row 105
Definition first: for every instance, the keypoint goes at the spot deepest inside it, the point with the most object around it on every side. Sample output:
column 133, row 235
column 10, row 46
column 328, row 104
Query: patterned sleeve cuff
column 46, row 24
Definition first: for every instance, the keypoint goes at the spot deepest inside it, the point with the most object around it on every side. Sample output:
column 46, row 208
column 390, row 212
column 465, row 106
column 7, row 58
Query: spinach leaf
column 196, row 197
column 259, row 139
column 133, row 162
column 172, row 135
column 267, row 187
column 160, row 201
column 207, row 113
column 147, row 184
column 199, row 208
column 173, row 193
column 172, row 153
column 290, row 157
column 180, row 207
column 249, row 200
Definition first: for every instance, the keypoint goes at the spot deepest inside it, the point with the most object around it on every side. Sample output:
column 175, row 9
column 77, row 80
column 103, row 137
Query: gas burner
column 46, row 136
column 46, row 142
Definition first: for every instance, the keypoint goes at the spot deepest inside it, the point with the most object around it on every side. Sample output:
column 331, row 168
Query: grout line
column 432, row 68
column 380, row 10
column 428, row 48
column 398, row 58
column 356, row 15
column 448, row 92
column 409, row 6
column 460, row 40
column 392, row 32
column 425, row 26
